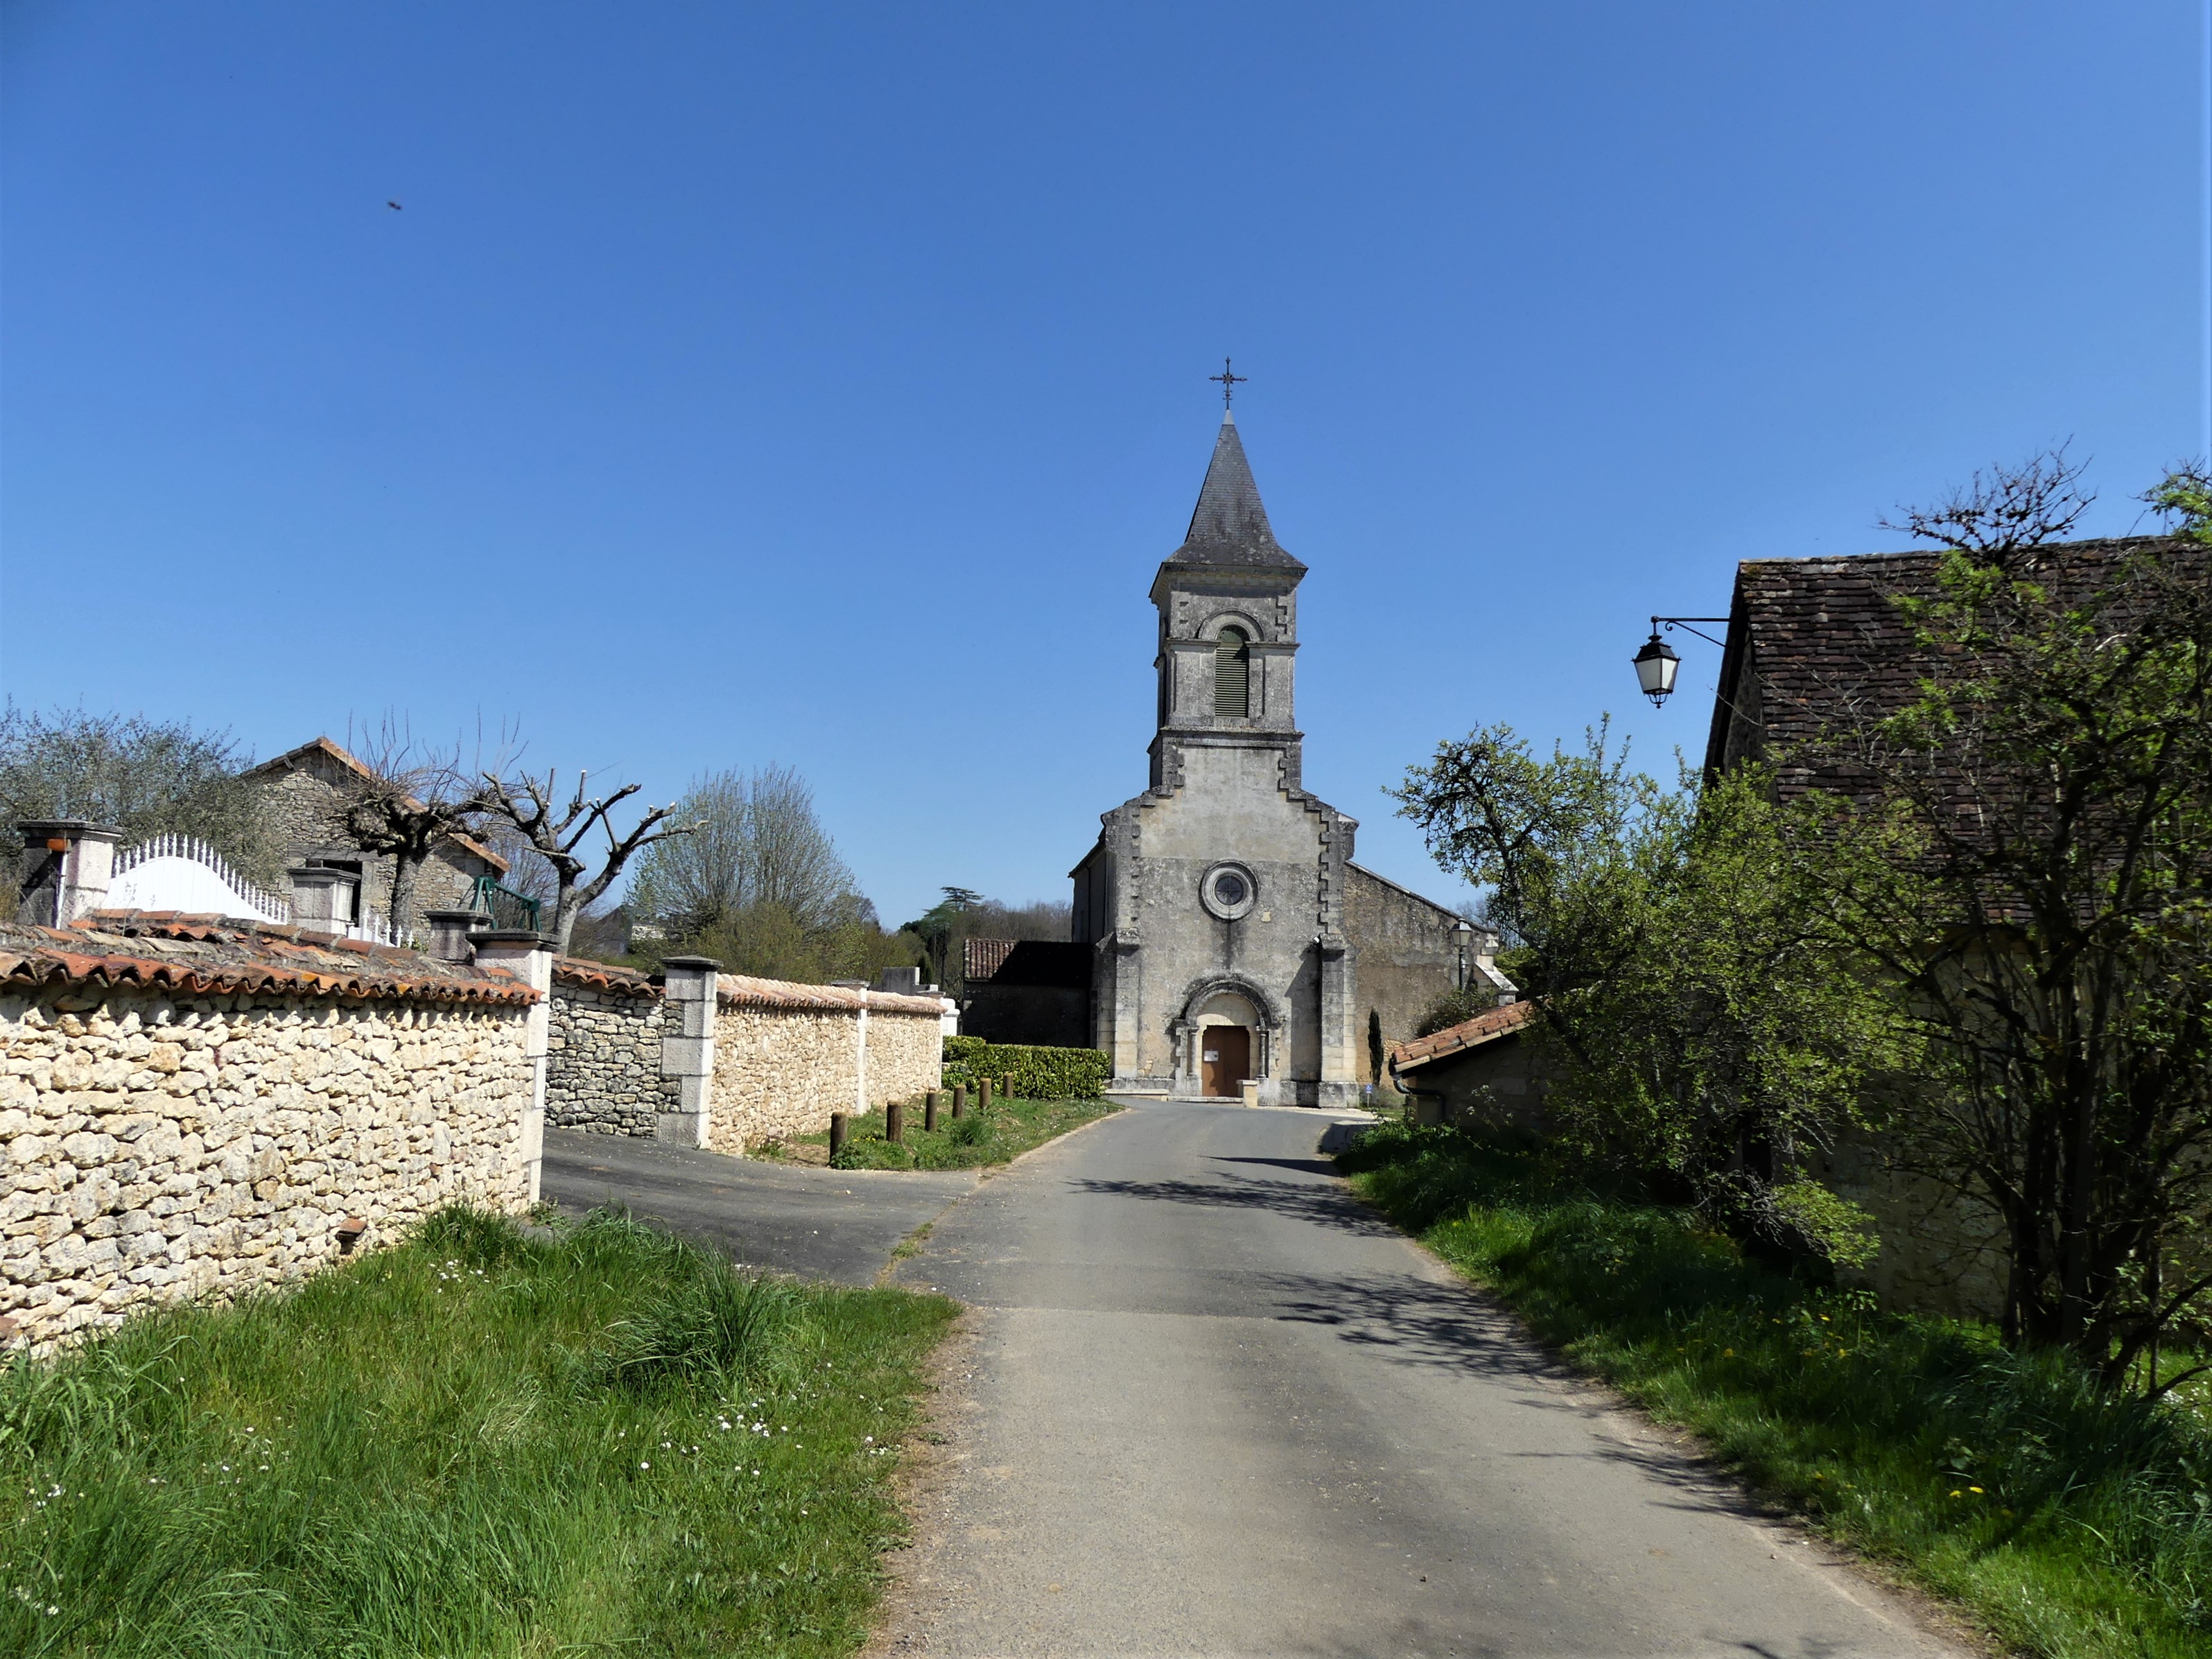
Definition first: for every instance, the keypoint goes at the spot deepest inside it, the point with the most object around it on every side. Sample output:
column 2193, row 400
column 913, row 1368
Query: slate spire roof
column 1229, row 527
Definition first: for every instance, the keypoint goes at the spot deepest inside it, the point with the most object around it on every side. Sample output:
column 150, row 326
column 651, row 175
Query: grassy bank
column 473, row 1444
column 2071, row 1524
column 1010, row 1128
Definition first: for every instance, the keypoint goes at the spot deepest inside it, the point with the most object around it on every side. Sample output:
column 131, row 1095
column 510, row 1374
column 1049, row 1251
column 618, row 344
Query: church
column 1233, row 941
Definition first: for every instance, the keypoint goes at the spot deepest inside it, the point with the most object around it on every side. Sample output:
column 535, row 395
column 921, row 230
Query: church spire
column 1229, row 527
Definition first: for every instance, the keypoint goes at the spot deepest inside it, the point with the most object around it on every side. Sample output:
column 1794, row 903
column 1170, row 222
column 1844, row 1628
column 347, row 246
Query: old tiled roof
column 1486, row 1027
column 1229, row 525
column 202, row 955
column 1811, row 641
column 742, row 990
column 1049, row 962
column 291, row 758
column 603, row 976
column 981, row 959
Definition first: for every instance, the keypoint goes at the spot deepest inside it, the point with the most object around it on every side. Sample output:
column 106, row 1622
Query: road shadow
column 1308, row 1165
column 1339, row 1136
column 1297, row 1201
column 1449, row 1326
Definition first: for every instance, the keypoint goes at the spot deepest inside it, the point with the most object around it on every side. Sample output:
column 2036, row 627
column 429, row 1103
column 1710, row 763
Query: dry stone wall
column 174, row 1130
column 787, row 1056
column 906, row 1055
column 602, row 1068
column 777, row 1073
column 159, row 1149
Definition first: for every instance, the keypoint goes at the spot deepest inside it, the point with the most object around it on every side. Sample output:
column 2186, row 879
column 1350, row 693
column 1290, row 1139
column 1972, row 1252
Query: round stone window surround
column 1235, row 878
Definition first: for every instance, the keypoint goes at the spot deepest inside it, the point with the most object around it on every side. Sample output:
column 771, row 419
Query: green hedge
column 1031, row 1072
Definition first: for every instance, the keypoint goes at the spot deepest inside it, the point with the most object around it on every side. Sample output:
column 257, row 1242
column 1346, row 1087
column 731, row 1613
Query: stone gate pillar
column 69, row 864
column 529, row 957
column 687, row 1049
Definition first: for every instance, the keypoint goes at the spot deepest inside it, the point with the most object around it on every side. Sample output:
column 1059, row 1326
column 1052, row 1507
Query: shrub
column 1031, row 1071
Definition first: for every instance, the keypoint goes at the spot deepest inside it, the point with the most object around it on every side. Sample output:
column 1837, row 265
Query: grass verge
column 475, row 1443
column 1010, row 1128
column 2073, row 1524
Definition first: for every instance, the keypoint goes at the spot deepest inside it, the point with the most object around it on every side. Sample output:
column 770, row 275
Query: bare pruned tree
column 555, row 832
column 2006, row 513
column 415, row 796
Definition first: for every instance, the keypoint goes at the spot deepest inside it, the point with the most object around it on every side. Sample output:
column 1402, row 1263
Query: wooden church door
column 1226, row 1059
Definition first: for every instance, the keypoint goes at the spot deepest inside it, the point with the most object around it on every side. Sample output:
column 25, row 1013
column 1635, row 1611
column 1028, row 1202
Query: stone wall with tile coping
column 162, row 1145
column 787, row 1056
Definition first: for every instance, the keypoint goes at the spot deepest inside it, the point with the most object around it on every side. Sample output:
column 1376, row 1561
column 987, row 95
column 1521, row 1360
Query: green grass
column 2068, row 1523
column 1010, row 1128
column 475, row 1443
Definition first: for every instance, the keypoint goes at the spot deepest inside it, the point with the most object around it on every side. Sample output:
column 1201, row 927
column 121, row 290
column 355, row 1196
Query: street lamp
column 1656, row 663
column 1462, row 931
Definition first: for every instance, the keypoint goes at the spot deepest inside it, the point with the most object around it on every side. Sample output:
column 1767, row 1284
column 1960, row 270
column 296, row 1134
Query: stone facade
column 1216, row 902
column 192, row 1108
column 786, row 1056
column 603, row 1066
column 305, row 792
column 1940, row 1254
column 1407, row 951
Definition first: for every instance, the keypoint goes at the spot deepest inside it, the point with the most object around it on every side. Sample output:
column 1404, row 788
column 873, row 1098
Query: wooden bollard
column 959, row 1100
column 929, row 1111
column 983, row 1099
column 836, row 1133
column 894, row 1123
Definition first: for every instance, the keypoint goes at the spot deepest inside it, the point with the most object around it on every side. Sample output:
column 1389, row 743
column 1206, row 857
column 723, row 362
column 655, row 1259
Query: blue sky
column 823, row 386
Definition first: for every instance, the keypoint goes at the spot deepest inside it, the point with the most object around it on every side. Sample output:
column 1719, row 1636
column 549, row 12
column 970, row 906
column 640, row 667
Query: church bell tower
column 1222, row 919
column 1227, row 600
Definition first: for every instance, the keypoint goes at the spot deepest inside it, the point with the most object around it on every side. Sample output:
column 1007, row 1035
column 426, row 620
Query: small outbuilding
column 1482, row 1070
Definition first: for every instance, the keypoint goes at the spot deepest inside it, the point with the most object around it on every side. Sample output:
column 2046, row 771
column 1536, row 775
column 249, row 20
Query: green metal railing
column 508, row 908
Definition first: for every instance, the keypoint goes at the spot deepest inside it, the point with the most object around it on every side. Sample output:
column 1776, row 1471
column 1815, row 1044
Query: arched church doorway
column 1225, row 1046
column 1226, row 1060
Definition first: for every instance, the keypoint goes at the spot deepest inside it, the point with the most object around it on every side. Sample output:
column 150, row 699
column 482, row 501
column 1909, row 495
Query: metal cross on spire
column 1229, row 382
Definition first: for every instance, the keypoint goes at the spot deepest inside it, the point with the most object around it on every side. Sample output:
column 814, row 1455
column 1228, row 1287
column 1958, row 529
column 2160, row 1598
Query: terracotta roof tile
column 742, row 990
column 199, row 955
column 603, row 976
column 981, row 959
column 1486, row 1027
column 1811, row 640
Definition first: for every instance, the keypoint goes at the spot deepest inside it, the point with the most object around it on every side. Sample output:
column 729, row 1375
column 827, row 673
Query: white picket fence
column 173, row 871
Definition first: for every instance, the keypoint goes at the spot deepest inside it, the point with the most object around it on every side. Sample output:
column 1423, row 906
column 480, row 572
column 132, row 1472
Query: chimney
column 68, row 864
column 323, row 899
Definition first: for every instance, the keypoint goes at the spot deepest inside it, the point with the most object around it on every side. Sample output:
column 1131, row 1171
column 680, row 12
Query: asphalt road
column 1212, row 1405
column 821, row 1224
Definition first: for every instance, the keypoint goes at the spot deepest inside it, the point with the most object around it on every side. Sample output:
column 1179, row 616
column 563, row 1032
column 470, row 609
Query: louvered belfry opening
column 1232, row 673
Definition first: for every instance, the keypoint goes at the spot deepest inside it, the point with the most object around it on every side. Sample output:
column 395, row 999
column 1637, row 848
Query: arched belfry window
column 1232, row 673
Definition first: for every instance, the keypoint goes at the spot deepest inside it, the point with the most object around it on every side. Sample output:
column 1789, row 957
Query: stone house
column 335, row 883
column 1807, row 641
column 1231, row 936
